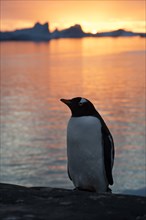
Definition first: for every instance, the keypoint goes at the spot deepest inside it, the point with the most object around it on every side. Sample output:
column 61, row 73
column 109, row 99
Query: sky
column 93, row 16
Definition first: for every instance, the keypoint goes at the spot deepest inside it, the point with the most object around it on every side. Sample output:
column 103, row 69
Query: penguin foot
column 91, row 190
column 109, row 190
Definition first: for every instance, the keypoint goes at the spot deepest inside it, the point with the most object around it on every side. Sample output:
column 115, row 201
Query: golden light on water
column 34, row 76
column 109, row 72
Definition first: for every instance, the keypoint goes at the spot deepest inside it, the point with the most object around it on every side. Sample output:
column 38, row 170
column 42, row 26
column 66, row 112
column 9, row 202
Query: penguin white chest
column 85, row 153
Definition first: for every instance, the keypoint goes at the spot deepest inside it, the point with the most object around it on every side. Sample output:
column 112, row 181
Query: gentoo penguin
column 90, row 147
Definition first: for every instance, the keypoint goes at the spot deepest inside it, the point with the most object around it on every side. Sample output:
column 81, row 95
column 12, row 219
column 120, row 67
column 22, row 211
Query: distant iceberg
column 71, row 32
column 41, row 32
column 118, row 33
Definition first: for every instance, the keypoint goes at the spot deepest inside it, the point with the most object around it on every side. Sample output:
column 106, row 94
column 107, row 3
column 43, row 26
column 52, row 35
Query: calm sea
column 34, row 76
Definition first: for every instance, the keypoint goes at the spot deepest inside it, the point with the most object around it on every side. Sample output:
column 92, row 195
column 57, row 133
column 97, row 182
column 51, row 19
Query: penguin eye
column 81, row 103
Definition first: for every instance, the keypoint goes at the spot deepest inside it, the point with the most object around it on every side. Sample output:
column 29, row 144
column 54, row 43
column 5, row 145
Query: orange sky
column 97, row 15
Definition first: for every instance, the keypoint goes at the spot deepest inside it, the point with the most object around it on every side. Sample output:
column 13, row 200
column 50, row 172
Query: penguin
column 90, row 147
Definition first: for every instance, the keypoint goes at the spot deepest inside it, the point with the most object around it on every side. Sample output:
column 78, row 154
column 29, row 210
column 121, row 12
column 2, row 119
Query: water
column 34, row 76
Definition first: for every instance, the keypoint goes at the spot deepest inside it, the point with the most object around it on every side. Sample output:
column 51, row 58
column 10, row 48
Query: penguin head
column 80, row 106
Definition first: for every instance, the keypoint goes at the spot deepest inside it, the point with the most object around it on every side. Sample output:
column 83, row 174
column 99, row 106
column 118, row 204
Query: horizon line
column 47, row 22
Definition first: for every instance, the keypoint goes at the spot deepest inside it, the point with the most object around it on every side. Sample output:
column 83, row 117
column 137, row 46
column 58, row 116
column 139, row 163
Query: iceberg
column 40, row 32
column 117, row 33
column 71, row 32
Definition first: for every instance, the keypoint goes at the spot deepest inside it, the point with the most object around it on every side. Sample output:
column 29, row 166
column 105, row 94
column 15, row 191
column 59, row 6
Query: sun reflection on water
column 109, row 72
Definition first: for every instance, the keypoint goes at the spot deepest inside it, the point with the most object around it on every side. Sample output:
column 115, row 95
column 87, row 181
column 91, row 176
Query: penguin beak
column 66, row 101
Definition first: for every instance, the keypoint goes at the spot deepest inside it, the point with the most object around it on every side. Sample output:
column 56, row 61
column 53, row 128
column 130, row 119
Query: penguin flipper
column 69, row 173
column 108, row 145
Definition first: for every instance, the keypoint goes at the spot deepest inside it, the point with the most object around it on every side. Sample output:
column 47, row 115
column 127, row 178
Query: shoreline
column 19, row 202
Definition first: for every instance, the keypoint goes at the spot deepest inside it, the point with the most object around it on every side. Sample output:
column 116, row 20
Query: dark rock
column 43, row 203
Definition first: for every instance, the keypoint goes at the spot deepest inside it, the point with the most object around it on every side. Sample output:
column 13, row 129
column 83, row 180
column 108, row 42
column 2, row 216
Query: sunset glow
column 93, row 16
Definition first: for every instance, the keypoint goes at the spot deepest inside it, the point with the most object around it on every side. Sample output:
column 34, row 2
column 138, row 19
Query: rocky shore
column 43, row 203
